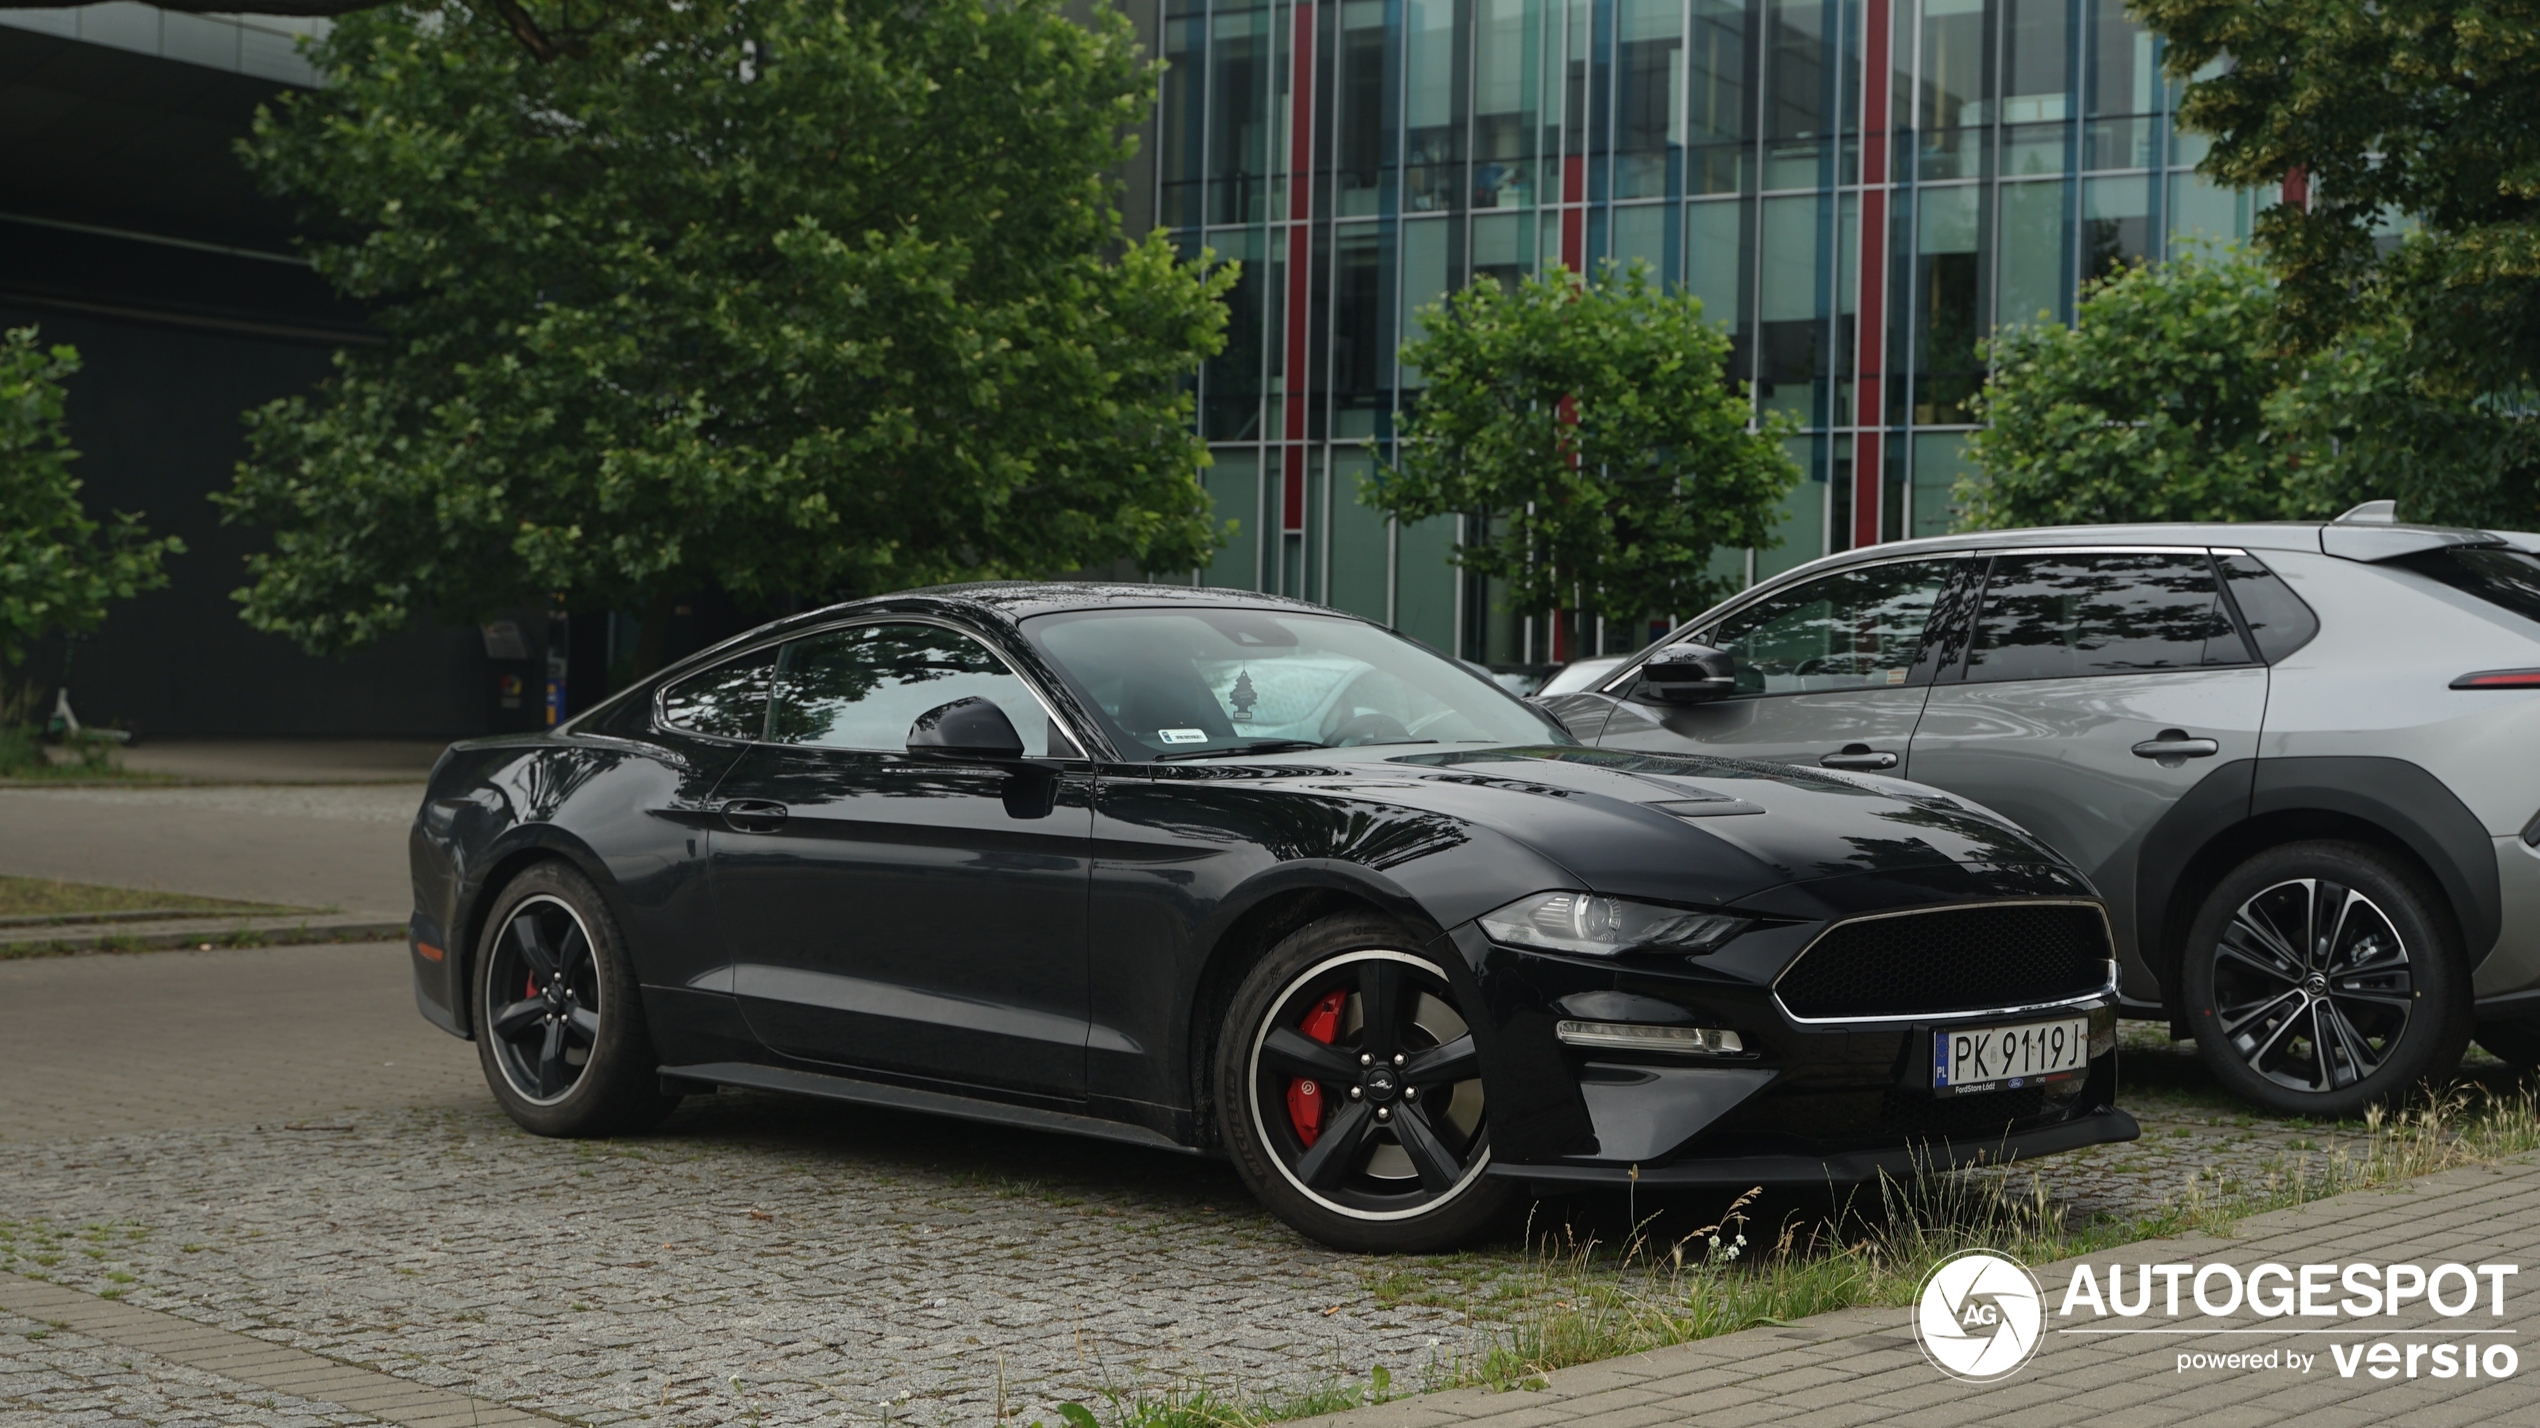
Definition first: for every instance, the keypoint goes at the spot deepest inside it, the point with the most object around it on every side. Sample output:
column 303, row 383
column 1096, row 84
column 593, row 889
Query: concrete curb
column 167, row 936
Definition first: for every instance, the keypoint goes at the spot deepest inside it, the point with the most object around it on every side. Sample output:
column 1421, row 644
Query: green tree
column 58, row 567
column 790, row 297
column 2171, row 399
column 1592, row 425
column 2152, row 406
column 2424, row 108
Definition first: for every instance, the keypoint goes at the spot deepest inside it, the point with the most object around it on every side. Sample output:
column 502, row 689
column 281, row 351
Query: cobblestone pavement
column 758, row 1258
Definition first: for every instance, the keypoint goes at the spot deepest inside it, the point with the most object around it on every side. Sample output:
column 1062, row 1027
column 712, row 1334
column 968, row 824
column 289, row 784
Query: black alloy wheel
column 543, row 1035
column 2319, row 981
column 1357, row 1112
column 559, row 1023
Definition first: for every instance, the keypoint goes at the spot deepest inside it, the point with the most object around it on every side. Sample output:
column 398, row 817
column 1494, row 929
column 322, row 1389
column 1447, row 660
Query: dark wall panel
column 155, row 415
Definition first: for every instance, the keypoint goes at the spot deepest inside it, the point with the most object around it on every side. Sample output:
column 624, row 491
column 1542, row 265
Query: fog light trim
column 1635, row 1036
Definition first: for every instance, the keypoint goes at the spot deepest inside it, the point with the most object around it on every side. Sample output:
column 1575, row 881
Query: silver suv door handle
column 1857, row 756
column 2176, row 744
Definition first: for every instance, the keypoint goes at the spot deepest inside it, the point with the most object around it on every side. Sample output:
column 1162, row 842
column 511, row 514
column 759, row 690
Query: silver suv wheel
column 2321, row 978
column 2311, row 984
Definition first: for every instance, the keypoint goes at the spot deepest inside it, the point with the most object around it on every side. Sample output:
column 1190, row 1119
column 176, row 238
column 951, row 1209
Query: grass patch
column 1591, row 1303
column 1573, row 1298
column 45, row 897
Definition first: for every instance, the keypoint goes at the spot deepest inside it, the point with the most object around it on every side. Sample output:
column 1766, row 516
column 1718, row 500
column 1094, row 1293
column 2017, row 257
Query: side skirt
column 907, row 1098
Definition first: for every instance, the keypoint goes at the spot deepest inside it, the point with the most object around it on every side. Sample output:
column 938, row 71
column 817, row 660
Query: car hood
column 1689, row 828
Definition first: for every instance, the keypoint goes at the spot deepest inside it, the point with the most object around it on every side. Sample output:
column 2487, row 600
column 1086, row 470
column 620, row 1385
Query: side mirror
column 1687, row 673
column 972, row 728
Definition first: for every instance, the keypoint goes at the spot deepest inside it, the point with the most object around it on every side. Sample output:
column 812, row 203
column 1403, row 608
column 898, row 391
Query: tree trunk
column 655, row 634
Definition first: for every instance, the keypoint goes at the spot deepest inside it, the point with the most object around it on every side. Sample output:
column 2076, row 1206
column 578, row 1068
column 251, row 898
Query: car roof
column 1023, row 599
column 2361, row 541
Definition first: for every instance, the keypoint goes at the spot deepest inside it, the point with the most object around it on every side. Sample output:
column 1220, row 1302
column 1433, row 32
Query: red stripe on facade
column 1869, row 365
column 1573, row 211
column 1300, row 252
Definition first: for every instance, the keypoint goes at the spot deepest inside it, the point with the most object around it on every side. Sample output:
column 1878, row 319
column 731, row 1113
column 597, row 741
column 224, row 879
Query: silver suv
column 2302, row 762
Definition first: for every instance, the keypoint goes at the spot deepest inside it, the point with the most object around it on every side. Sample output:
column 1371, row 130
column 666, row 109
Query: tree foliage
column 2385, row 108
column 1592, row 423
column 2170, row 399
column 785, row 297
column 2151, row 407
column 58, row 567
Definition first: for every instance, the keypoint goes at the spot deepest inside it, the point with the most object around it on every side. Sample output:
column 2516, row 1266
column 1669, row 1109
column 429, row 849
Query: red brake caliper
column 1305, row 1096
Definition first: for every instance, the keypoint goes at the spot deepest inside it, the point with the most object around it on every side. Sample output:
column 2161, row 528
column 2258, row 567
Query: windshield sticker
column 1183, row 736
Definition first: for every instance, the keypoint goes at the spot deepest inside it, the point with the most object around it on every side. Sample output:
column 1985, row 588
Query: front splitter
column 1849, row 1167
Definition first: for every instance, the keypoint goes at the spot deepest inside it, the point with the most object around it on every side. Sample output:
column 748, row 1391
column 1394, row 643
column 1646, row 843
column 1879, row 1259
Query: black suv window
column 2277, row 618
column 728, row 701
column 2508, row 579
column 2058, row 616
column 1860, row 629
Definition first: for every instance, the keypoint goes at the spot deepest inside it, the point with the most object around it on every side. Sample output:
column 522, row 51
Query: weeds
column 1592, row 1304
column 1577, row 1300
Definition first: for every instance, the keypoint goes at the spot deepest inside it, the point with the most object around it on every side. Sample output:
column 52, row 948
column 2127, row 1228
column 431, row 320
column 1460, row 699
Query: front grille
column 1956, row 959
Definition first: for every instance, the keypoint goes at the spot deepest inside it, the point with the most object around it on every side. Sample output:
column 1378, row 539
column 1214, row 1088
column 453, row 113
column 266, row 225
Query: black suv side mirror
column 1687, row 673
column 972, row 728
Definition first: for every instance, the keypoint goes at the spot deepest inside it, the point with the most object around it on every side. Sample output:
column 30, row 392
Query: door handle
column 753, row 815
column 1857, row 756
column 2171, row 746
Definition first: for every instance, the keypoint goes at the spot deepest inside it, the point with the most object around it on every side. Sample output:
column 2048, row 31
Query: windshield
column 1181, row 683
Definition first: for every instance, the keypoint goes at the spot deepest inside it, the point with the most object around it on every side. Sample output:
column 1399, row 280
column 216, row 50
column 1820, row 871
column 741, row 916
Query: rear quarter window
column 728, row 701
column 2278, row 620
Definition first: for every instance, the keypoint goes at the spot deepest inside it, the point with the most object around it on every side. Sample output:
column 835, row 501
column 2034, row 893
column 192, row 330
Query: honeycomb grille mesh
column 1957, row 959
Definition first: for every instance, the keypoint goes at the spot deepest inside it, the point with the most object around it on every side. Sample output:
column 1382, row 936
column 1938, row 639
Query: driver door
column 917, row 915
column 1830, row 672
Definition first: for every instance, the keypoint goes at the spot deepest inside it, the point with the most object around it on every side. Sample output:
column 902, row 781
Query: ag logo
column 1979, row 1316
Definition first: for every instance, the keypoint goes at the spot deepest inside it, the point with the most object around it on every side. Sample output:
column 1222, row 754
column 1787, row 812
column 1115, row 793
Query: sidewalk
column 1863, row 1366
column 285, row 760
column 342, row 848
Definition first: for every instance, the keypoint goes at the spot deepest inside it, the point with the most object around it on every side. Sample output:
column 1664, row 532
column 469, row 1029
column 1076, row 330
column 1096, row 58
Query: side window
column 862, row 687
column 2277, row 618
column 2059, row 616
column 1858, row 630
column 728, row 701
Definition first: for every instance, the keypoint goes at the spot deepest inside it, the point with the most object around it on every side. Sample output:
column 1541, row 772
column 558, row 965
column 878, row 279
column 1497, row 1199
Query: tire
column 2321, row 978
column 1395, row 1108
column 566, row 1055
column 2514, row 1041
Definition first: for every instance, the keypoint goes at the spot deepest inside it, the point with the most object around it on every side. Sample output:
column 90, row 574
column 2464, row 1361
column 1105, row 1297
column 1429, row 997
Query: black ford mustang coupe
column 1226, row 873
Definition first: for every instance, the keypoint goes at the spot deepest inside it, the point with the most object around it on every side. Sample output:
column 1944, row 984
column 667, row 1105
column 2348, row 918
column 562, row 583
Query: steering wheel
column 1369, row 728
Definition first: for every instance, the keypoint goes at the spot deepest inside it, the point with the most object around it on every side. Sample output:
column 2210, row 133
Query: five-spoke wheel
column 544, row 1034
column 1357, row 1109
column 559, row 1023
column 2317, row 982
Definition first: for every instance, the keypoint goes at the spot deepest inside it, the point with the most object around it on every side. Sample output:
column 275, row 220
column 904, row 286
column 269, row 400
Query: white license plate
column 2005, row 1058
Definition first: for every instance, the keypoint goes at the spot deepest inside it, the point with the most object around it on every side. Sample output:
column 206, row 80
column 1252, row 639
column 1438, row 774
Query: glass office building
column 1861, row 190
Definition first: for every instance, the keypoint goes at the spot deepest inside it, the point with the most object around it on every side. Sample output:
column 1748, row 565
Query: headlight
column 1603, row 926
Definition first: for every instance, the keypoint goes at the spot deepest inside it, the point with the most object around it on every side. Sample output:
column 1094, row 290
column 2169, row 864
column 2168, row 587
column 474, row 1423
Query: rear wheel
column 1350, row 1092
column 2319, row 980
column 559, row 1022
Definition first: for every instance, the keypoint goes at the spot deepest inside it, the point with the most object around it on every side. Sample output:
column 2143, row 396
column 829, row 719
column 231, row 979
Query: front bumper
column 1810, row 1099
